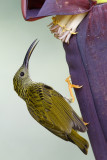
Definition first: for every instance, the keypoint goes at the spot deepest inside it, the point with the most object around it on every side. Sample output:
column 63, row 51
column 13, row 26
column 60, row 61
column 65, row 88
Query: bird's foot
column 85, row 123
column 70, row 86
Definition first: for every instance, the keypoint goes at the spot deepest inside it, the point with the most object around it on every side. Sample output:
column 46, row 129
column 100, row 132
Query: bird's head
column 21, row 77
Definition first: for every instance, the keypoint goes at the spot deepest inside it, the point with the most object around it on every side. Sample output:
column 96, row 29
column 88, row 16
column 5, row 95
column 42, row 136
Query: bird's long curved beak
column 29, row 52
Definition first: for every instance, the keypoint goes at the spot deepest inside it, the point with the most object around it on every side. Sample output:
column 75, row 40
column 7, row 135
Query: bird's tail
column 75, row 138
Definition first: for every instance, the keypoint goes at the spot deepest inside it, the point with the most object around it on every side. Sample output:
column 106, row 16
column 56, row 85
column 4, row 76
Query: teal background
column 21, row 137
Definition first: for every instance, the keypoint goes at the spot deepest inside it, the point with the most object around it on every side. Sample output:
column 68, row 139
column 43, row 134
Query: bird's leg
column 70, row 86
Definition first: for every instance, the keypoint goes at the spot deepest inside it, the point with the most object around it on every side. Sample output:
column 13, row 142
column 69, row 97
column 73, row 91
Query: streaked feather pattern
column 52, row 108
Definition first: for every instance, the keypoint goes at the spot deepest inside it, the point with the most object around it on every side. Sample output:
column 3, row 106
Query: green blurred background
column 21, row 137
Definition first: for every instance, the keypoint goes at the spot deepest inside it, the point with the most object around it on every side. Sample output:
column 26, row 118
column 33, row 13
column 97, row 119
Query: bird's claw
column 85, row 123
column 70, row 86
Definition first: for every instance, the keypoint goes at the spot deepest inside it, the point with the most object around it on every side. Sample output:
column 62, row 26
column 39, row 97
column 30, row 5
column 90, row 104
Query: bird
column 48, row 107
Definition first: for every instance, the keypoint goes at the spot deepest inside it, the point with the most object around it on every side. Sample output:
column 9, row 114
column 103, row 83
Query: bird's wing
column 51, row 110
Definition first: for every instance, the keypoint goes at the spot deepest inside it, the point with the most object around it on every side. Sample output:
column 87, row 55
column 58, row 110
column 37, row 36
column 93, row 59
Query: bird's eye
column 22, row 74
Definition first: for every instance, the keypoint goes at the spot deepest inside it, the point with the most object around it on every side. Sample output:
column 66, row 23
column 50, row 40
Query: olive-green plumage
column 48, row 107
